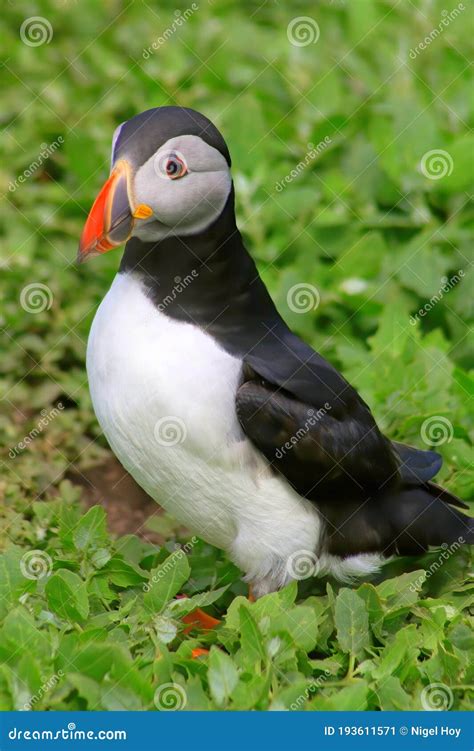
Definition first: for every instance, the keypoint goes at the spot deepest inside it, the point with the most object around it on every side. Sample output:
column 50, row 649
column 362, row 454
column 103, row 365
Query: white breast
column 164, row 394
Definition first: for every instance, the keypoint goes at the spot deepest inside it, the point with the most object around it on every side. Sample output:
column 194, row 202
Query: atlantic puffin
column 199, row 384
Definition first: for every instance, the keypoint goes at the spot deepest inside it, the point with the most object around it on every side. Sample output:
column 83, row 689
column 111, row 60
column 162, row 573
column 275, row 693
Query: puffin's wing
column 417, row 466
column 319, row 447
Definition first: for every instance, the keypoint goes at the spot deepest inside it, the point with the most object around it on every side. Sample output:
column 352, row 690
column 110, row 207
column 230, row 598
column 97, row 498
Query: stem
column 350, row 669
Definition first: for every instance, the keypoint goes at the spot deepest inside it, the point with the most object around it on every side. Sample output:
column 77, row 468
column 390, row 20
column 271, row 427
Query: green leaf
column 352, row 698
column 87, row 688
column 118, row 698
column 392, row 696
column 21, row 631
column 300, row 623
column 67, row 596
column 222, row 676
column 352, row 622
column 251, row 692
column 251, row 639
column 165, row 629
column 185, row 605
column 403, row 590
column 100, row 557
column 165, row 581
column 403, row 648
column 13, row 583
column 92, row 528
column 96, row 659
column 374, row 607
column 121, row 573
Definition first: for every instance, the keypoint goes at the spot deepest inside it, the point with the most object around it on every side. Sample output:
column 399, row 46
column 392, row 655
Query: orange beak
column 111, row 219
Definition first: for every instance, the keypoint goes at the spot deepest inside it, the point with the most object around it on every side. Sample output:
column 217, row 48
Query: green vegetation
column 91, row 623
column 368, row 220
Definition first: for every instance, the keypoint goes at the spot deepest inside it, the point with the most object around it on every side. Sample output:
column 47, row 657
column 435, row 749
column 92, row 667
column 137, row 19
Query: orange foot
column 199, row 619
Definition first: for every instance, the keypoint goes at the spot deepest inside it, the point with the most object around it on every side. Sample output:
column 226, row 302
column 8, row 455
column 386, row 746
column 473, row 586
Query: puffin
column 223, row 415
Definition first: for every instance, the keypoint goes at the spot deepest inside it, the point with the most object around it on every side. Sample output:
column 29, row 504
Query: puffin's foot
column 251, row 597
column 199, row 619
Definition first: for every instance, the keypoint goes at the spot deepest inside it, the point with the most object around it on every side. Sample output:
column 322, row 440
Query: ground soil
column 128, row 506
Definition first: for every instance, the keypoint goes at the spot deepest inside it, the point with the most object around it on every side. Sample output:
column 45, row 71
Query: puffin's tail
column 426, row 515
column 406, row 518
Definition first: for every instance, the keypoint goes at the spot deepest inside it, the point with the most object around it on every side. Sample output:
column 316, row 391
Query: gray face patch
column 186, row 204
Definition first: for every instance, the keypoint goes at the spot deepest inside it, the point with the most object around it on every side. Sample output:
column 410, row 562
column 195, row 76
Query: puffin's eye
column 175, row 167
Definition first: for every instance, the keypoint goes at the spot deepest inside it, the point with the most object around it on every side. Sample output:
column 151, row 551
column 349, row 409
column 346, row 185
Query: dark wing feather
column 322, row 447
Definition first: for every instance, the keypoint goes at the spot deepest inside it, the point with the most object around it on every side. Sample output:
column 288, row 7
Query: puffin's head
column 170, row 175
